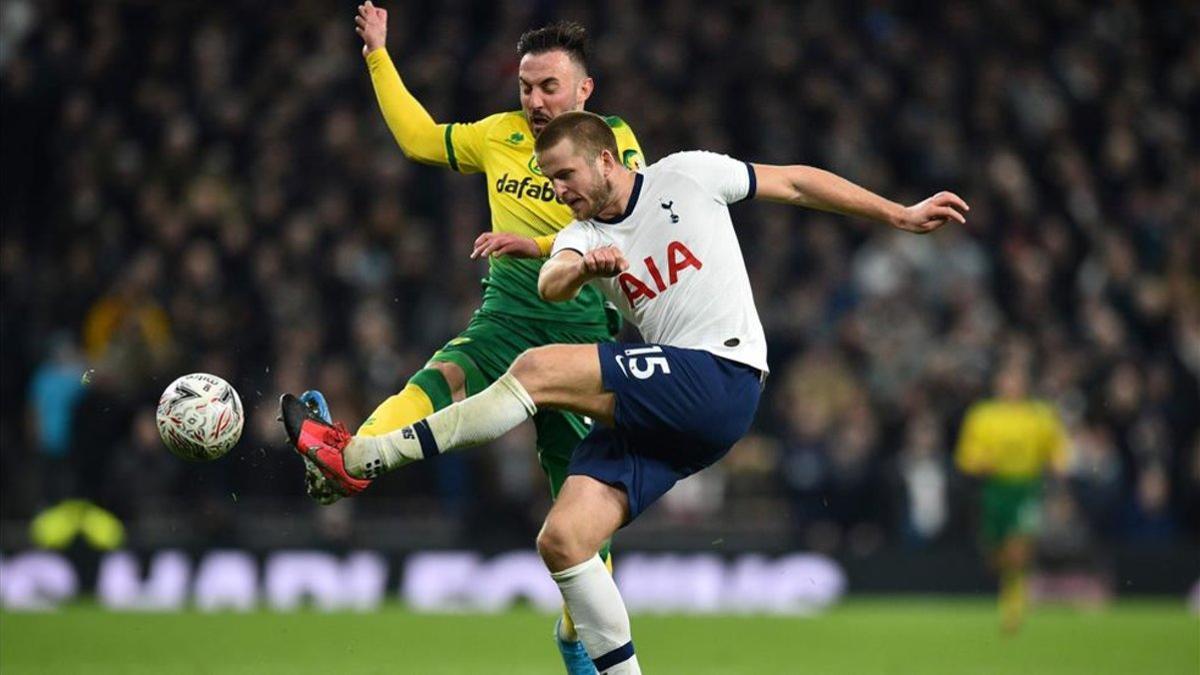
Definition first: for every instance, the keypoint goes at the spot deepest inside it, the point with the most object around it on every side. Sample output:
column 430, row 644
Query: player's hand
column 371, row 26
column 929, row 215
column 606, row 261
column 505, row 243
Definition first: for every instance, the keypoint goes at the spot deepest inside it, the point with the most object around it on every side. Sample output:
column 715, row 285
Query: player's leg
column 1014, row 557
column 437, row 385
column 618, row 471
column 432, row 388
column 586, row 514
column 558, row 434
column 468, row 364
column 1018, row 552
column 562, row 376
column 459, row 369
column 565, row 377
column 494, row 344
column 1009, row 518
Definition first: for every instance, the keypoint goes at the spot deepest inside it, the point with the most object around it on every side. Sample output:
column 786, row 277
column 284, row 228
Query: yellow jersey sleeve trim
column 545, row 243
column 450, row 147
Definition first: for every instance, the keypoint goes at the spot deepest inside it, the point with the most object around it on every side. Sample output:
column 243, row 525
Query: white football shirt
column 686, row 285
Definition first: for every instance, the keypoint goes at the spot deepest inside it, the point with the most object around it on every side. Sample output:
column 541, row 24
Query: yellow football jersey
column 522, row 201
column 1011, row 440
column 520, row 198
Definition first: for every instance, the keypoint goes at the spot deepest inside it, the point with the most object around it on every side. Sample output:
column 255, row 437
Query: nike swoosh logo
column 621, row 363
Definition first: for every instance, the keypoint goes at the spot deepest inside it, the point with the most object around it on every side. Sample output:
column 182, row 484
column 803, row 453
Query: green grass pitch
column 929, row 637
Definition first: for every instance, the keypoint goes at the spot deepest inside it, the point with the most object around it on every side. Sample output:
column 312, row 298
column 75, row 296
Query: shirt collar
column 633, row 199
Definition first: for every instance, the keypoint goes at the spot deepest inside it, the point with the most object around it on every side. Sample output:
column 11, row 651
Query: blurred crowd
column 210, row 187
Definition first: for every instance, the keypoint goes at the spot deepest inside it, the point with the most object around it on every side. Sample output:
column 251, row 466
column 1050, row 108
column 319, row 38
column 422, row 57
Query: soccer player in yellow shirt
column 1010, row 442
column 526, row 216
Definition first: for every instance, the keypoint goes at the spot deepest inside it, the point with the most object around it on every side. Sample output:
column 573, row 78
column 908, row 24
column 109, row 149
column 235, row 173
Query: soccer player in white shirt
column 660, row 244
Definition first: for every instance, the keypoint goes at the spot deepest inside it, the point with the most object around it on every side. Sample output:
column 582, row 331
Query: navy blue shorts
column 677, row 411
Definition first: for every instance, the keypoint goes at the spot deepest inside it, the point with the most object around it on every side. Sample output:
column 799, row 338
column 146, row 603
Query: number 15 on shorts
column 643, row 362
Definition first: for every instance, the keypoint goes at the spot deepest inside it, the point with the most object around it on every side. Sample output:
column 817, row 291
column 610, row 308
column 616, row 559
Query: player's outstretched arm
column 418, row 135
column 819, row 189
column 563, row 275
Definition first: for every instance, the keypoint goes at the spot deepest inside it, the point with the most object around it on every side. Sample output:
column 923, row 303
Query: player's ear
column 607, row 163
column 584, row 92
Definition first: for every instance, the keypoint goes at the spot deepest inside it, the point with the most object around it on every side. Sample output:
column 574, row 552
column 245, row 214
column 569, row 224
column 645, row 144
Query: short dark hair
column 569, row 36
column 588, row 131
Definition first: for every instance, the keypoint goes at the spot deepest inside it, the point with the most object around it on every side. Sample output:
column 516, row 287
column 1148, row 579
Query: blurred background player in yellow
column 1010, row 443
column 526, row 216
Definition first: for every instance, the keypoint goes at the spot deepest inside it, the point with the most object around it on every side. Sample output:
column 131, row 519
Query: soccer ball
column 200, row 417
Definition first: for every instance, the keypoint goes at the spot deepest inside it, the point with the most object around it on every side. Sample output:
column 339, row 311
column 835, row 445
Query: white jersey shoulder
column 686, row 285
column 726, row 178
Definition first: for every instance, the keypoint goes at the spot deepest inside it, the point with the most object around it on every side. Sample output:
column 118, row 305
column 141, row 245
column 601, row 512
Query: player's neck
column 622, row 183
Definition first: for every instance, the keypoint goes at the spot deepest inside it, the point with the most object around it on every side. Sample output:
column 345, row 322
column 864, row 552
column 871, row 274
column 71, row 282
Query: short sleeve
column 728, row 180
column 574, row 237
column 466, row 143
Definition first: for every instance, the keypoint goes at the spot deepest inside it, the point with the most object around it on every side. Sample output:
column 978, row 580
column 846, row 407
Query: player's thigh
column 566, row 377
column 1009, row 509
column 455, row 376
column 589, row 510
column 482, row 352
column 1016, row 551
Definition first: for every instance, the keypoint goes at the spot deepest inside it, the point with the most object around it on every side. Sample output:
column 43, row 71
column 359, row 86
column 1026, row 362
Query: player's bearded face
column 596, row 192
column 586, row 192
column 551, row 84
column 579, row 183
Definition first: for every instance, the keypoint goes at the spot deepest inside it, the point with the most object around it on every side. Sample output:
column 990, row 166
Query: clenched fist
column 606, row 261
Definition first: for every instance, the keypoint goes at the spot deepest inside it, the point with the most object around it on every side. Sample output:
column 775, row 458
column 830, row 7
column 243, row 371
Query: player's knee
column 529, row 362
column 559, row 547
column 456, row 379
column 1015, row 553
column 532, row 369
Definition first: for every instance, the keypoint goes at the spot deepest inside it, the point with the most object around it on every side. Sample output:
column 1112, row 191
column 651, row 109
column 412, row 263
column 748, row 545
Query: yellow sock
column 1012, row 600
column 567, row 631
column 398, row 411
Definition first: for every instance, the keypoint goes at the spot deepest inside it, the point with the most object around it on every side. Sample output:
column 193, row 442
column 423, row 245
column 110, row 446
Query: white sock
column 600, row 617
column 483, row 417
